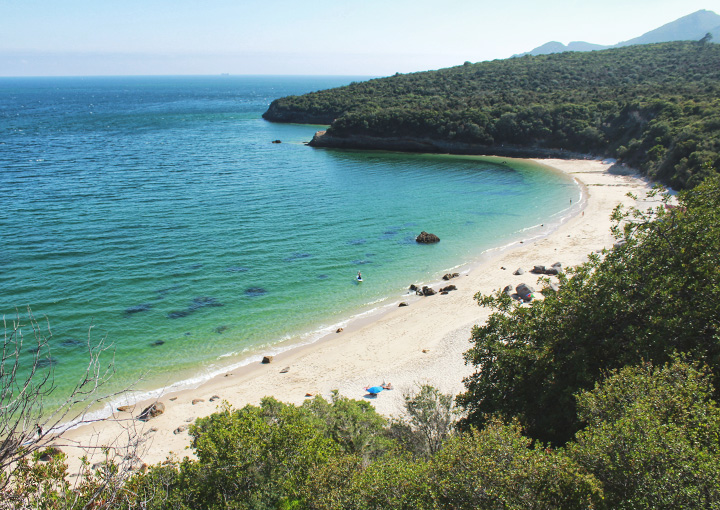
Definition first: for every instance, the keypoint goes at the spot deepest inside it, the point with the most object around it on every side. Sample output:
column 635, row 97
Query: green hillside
column 654, row 107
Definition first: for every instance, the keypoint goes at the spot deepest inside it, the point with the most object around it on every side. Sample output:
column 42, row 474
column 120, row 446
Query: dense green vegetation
column 603, row 395
column 654, row 107
column 655, row 294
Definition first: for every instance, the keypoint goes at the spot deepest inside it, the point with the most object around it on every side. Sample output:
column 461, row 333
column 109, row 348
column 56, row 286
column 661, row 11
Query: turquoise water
column 158, row 211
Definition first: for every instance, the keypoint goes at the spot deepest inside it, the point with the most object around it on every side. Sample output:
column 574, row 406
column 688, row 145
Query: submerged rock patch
column 71, row 343
column 47, row 362
column 297, row 256
column 255, row 291
column 143, row 307
column 197, row 304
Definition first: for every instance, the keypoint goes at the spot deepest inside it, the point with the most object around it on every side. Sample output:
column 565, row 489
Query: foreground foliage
column 652, row 106
column 650, row 442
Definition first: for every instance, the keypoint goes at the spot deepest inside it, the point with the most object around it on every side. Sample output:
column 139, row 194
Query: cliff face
column 427, row 145
column 278, row 113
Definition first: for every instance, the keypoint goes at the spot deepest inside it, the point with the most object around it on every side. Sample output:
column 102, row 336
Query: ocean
column 156, row 213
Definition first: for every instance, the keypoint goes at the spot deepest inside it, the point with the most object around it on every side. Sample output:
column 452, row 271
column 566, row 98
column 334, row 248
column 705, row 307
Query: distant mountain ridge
column 692, row 27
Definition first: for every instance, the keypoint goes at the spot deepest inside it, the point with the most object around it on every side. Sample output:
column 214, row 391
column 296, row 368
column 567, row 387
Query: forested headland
column 654, row 107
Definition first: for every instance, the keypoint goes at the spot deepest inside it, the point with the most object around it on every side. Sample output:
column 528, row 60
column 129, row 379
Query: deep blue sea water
column 157, row 211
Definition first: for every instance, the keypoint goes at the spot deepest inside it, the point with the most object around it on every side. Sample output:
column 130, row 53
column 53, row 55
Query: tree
column 498, row 467
column 652, row 295
column 652, row 437
column 430, row 420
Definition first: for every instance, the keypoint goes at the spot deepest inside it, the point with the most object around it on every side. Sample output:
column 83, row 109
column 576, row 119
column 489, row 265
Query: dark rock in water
column 357, row 242
column 361, row 262
column 157, row 342
column 450, row 276
column 426, row 238
column 297, row 256
column 414, row 287
column 519, row 271
column 524, row 291
column 152, row 411
column 144, row 307
column 538, row 270
column 322, row 277
column 237, row 269
column 277, row 141
column 194, row 267
column 255, row 292
column 221, row 329
column 47, row 362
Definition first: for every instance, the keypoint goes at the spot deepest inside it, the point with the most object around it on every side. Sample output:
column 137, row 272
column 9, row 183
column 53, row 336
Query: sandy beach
column 419, row 343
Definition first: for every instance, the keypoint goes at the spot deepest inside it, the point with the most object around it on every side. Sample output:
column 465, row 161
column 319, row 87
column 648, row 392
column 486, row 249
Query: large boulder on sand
column 427, row 291
column 524, row 291
column 152, row 411
column 426, row 238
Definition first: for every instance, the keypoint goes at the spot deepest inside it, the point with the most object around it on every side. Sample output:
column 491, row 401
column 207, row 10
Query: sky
column 310, row 37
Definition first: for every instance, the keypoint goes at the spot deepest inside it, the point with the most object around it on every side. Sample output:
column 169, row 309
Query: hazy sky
column 360, row 37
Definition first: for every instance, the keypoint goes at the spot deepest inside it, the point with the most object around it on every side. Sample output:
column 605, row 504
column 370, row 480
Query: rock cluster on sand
column 447, row 289
column 552, row 270
column 426, row 238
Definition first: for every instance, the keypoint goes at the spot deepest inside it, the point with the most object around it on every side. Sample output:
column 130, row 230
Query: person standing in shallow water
column 359, row 276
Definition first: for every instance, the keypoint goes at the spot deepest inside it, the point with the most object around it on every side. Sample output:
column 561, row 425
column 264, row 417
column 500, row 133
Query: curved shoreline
column 422, row 342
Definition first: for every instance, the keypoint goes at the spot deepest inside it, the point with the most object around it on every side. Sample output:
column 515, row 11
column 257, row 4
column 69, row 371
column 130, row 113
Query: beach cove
column 420, row 343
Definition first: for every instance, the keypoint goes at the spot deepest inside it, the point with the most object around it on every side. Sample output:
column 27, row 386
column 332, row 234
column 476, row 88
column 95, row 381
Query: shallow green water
column 158, row 211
